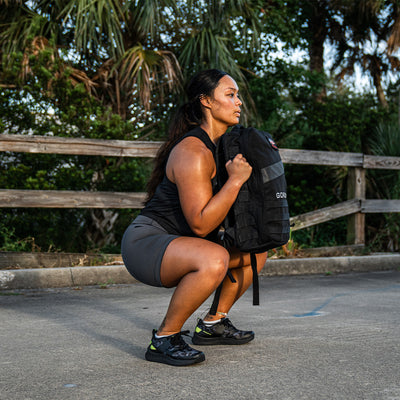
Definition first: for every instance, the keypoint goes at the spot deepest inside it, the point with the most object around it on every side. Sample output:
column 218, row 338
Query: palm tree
column 112, row 47
column 364, row 33
column 314, row 21
column 214, row 35
column 124, row 53
column 369, row 37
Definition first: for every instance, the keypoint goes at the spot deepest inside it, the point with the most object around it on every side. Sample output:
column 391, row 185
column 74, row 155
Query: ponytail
column 181, row 123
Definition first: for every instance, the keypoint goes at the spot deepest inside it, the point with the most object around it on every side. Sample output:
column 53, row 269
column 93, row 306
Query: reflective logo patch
column 273, row 144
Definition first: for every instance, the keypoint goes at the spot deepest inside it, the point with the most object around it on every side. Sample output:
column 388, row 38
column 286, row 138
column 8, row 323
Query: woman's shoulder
column 194, row 155
column 201, row 135
column 192, row 147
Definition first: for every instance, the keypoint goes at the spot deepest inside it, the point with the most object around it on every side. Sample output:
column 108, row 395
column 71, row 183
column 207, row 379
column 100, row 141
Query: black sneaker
column 222, row 332
column 173, row 350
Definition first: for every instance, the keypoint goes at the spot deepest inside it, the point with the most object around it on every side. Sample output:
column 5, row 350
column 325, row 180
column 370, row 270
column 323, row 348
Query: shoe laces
column 228, row 325
column 177, row 339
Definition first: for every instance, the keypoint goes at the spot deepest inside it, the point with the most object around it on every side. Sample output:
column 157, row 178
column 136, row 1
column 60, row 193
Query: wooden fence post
column 356, row 188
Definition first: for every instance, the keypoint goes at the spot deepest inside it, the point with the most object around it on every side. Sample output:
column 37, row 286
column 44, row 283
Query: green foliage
column 383, row 229
column 285, row 98
column 9, row 241
column 67, row 111
column 80, row 68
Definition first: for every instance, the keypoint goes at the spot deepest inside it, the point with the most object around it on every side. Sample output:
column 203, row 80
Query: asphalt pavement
column 331, row 336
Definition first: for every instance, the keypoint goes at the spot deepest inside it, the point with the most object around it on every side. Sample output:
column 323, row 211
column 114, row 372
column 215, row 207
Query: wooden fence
column 355, row 207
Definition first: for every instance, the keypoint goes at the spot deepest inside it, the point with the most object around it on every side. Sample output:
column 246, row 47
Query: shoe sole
column 204, row 341
column 164, row 359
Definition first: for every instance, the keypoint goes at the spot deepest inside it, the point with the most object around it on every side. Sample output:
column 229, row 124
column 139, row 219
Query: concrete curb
column 64, row 277
column 323, row 265
column 117, row 274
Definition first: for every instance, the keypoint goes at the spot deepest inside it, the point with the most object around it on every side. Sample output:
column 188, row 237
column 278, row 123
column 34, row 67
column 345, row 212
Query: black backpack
column 259, row 219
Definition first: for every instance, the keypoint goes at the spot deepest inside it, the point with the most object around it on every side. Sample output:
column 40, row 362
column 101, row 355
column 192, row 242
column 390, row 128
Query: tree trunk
column 374, row 66
column 100, row 230
column 318, row 32
column 100, row 224
column 377, row 76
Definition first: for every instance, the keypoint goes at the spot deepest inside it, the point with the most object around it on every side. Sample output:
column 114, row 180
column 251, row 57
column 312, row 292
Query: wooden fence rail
column 125, row 148
column 356, row 207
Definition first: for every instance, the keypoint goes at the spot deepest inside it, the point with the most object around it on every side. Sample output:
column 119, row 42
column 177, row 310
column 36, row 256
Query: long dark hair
column 187, row 117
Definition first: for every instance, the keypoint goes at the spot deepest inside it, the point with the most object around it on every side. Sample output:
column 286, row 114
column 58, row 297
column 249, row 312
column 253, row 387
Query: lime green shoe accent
column 173, row 350
column 198, row 330
column 222, row 332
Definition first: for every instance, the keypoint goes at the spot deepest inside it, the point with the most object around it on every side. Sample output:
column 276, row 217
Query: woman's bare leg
column 196, row 267
column 240, row 267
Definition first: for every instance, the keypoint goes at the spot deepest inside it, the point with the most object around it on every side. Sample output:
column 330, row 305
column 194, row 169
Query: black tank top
column 165, row 208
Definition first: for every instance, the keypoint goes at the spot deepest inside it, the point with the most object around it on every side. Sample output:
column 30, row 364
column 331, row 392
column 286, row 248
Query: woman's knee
column 215, row 263
column 187, row 255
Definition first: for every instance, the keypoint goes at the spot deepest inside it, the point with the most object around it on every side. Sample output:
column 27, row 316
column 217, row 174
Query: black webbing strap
column 214, row 306
column 256, row 290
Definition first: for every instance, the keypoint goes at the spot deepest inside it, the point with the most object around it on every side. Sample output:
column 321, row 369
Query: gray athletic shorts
column 143, row 247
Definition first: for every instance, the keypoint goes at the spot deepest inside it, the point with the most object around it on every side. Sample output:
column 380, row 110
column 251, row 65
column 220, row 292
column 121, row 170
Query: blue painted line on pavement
column 315, row 312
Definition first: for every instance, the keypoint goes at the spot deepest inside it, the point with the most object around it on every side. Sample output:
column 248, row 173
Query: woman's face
column 225, row 102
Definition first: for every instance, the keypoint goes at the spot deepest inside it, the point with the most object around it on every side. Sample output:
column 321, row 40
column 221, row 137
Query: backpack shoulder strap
column 256, row 288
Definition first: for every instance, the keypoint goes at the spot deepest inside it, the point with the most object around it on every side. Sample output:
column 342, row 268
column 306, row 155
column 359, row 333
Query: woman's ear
column 205, row 101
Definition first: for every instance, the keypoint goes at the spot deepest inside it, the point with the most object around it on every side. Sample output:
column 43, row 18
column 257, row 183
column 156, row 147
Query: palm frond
column 54, row 64
column 97, row 24
column 77, row 76
column 205, row 48
column 393, row 42
column 19, row 32
column 385, row 141
column 9, row 2
column 145, row 71
column 147, row 16
column 38, row 44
